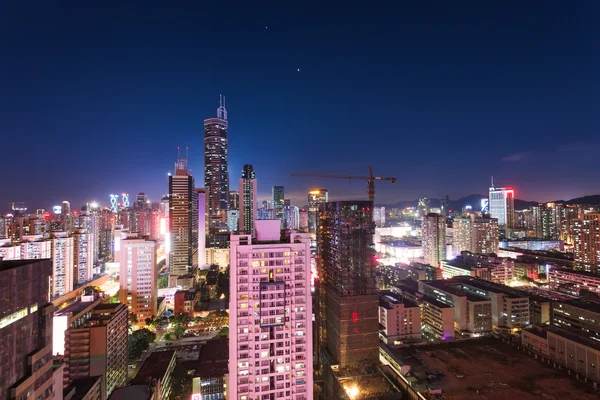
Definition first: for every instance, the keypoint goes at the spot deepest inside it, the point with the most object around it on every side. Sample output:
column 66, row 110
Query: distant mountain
column 592, row 199
column 473, row 200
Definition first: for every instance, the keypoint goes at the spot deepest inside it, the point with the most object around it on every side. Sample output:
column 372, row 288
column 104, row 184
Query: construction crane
column 370, row 179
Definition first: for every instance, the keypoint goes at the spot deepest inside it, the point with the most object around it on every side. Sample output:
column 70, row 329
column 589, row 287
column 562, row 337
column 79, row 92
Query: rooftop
column 135, row 392
column 447, row 285
column 386, row 298
column 586, row 305
column 490, row 286
column 76, row 307
column 213, row 359
column 79, row 388
column 155, row 367
column 10, row 264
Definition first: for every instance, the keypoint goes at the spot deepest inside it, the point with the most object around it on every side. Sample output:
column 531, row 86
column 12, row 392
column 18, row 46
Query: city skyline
column 509, row 100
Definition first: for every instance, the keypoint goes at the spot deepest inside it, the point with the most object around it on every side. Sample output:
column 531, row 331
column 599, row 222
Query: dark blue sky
column 95, row 100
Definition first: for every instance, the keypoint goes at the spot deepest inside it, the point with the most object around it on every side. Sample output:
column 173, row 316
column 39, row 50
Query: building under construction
column 347, row 299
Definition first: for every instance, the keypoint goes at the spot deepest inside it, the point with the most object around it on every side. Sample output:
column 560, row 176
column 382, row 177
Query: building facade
column 26, row 330
column 270, row 324
column 316, row 197
column 400, row 319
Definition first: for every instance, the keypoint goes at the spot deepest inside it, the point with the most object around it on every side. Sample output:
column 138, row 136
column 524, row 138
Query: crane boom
column 370, row 179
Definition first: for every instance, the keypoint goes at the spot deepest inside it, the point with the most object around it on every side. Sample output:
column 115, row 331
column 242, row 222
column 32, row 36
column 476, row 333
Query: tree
column 133, row 318
column 167, row 336
column 139, row 341
column 114, row 299
column 163, row 281
column 224, row 332
column 179, row 330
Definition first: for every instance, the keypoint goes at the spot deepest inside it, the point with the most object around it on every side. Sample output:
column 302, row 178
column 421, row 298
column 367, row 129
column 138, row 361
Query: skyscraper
column 347, row 299
column 278, row 201
column 586, row 234
column 315, row 198
column 433, row 243
column 137, row 276
column 462, row 229
column 202, row 227
column 234, row 200
column 216, row 172
column 270, row 343
column 502, row 206
column 248, row 201
column 25, row 330
column 183, row 220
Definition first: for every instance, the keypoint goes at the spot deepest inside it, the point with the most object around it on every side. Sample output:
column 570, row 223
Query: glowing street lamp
column 352, row 392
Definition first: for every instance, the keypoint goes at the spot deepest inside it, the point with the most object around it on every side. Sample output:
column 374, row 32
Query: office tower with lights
column 89, row 220
column 248, row 201
column 379, row 216
column 433, row 242
column 586, row 235
column 347, row 298
column 216, row 172
column 183, row 221
column 270, row 325
column 137, row 275
column 65, row 215
column 291, row 217
column 98, row 347
column 83, row 256
column 26, row 330
column 277, row 196
column 62, row 264
column 316, row 197
column 502, row 206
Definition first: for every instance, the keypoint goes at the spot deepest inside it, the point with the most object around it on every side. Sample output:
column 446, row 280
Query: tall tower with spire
column 216, row 171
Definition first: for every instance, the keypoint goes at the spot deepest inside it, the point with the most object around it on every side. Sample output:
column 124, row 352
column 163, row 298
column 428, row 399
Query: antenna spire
column 222, row 111
column 492, row 181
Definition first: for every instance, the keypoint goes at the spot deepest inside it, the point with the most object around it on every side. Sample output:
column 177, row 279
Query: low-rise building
column 210, row 371
column 565, row 348
column 212, row 283
column 580, row 279
column 157, row 372
column 472, row 311
column 580, row 316
column 185, row 301
column 400, row 319
column 483, row 266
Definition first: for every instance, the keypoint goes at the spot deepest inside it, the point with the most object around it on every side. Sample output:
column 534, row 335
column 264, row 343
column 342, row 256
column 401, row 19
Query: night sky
column 442, row 95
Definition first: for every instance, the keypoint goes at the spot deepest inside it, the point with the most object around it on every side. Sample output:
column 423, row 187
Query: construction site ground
column 488, row 369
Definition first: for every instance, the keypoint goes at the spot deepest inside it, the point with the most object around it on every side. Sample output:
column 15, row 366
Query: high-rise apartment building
column 586, row 234
column 270, row 342
column 485, row 236
column 25, row 330
column 315, row 198
column 89, row 219
column 347, row 299
column 502, row 206
column 83, row 256
column 248, row 200
column 278, row 195
column 462, row 229
column 216, row 172
column 183, row 220
column 202, row 226
column 433, row 242
column 65, row 216
column 137, row 276
column 62, row 264
column 99, row 347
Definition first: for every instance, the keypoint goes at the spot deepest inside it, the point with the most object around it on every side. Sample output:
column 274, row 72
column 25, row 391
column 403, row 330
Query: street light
column 352, row 392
